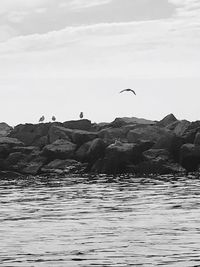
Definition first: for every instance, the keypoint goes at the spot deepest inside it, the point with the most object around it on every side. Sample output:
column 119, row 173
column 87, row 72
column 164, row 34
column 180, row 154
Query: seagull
column 53, row 118
column 42, row 119
column 128, row 90
column 81, row 115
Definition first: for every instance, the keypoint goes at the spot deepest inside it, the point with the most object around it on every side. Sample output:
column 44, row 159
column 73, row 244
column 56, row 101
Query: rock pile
column 124, row 145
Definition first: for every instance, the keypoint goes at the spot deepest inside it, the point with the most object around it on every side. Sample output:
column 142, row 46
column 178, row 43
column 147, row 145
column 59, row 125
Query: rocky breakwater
column 126, row 145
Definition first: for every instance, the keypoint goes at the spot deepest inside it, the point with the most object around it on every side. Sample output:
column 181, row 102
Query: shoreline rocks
column 126, row 145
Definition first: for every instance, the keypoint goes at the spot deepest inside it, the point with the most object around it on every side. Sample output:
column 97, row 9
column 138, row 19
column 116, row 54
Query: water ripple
column 100, row 221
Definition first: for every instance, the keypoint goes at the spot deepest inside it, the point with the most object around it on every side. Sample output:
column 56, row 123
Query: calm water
column 102, row 221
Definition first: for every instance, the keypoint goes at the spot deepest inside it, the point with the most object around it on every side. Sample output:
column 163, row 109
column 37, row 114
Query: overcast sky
column 60, row 57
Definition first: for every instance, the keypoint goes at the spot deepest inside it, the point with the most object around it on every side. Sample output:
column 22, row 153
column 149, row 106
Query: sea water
column 100, row 221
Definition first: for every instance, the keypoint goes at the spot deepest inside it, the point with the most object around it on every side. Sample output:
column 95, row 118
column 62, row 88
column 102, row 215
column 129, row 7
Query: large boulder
column 157, row 161
column 117, row 157
column 58, row 132
column 5, row 129
column 60, row 149
column 78, row 137
column 83, row 124
column 169, row 119
column 109, row 135
column 119, row 122
column 171, row 143
column 7, row 145
column 191, row 131
column 146, row 133
column 91, row 151
column 32, row 134
column 66, row 165
column 190, row 157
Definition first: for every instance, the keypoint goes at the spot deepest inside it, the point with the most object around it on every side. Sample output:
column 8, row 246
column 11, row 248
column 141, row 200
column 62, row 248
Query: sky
column 61, row 57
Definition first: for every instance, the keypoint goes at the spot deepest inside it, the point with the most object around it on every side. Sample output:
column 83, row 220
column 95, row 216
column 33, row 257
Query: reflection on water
column 100, row 221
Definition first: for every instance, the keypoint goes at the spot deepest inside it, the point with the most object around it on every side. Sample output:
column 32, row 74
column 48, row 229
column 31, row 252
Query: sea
column 107, row 221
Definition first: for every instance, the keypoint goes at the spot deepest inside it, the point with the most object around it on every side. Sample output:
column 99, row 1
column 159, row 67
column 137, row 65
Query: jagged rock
column 190, row 157
column 60, row 149
column 117, row 157
column 5, row 129
column 34, row 167
column 109, row 135
column 191, row 131
column 7, row 145
column 119, row 122
column 171, row 143
column 83, row 124
column 82, row 152
column 158, row 161
column 197, row 139
column 96, row 127
column 58, row 132
column 80, row 137
column 146, row 133
column 31, row 134
column 68, row 165
column 26, row 149
column 91, row 151
column 169, row 119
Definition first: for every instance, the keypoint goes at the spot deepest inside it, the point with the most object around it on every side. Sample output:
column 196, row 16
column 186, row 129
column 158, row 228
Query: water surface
column 100, row 221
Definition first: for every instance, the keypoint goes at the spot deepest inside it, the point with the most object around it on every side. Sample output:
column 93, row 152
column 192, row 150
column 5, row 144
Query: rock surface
column 124, row 145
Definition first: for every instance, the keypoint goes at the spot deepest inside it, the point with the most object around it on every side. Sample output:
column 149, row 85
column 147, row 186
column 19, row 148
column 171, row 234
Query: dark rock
column 7, row 145
column 58, row 132
column 5, row 129
column 197, row 139
column 171, row 143
column 31, row 134
column 9, row 175
column 80, row 137
column 191, row 131
column 169, row 119
column 83, row 124
column 146, row 133
column 82, row 152
column 158, row 161
column 96, row 150
column 190, row 157
column 34, row 167
column 26, row 149
column 119, row 122
column 68, row 165
column 60, row 149
column 109, row 135
column 117, row 157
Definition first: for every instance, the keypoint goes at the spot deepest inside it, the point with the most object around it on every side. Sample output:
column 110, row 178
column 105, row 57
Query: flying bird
column 42, row 119
column 128, row 90
column 81, row 115
column 53, row 118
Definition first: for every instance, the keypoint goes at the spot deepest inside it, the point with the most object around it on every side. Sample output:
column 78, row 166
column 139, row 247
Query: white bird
column 53, row 118
column 42, row 119
column 128, row 90
column 81, row 115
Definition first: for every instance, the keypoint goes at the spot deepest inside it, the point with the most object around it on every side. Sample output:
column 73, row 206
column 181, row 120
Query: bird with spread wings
column 128, row 90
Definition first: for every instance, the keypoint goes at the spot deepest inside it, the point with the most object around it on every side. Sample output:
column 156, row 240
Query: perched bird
column 42, row 119
column 128, row 90
column 81, row 115
column 53, row 118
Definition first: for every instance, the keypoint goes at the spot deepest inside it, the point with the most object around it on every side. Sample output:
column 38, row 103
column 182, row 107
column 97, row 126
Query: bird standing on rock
column 42, row 119
column 128, row 90
column 53, row 118
column 81, row 115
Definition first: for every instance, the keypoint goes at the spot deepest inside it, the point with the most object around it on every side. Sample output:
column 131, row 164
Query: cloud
column 79, row 4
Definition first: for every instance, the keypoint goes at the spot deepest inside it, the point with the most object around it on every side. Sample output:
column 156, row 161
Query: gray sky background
column 60, row 57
